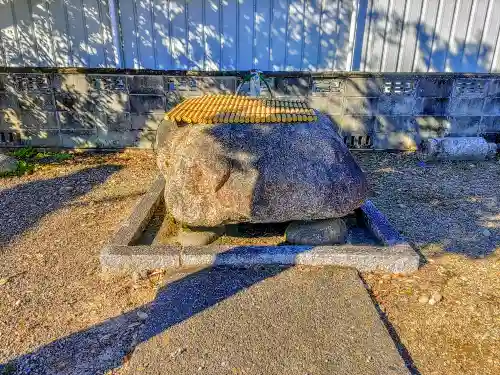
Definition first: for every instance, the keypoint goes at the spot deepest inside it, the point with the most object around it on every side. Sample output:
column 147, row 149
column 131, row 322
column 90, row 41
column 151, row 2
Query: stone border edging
column 122, row 256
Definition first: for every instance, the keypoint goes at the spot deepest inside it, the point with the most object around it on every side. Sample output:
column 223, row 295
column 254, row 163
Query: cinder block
column 78, row 138
column 36, row 102
column 149, row 121
column 74, row 101
column 39, row 120
column 432, row 126
column 388, row 124
column 118, row 121
column 81, row 120
column 493, row 87
column 146, row 84
column 74, row 83
column 292, row 86
column 332, row 105
column 469, row 88
column 327, row 87
column 398, row 85
column 354, row 124
column 31, row 82
column 9, row 100
column 360, row 105
column 108, row 82
column 434, row 87
column 490, row 124
column 463, row 107
column 10, row 119
column 147, row 103
column 432, row 106
column 396, row 141
column 396, row 105
column 465, row 126
column 492, row 106
column 361, row 86
column 110, row 102
column 41, row 138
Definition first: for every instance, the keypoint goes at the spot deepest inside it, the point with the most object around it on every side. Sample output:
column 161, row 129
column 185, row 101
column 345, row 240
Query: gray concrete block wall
column 387, row 111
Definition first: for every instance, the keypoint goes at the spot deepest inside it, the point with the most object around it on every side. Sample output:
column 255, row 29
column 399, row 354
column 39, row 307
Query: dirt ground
column 60, row 315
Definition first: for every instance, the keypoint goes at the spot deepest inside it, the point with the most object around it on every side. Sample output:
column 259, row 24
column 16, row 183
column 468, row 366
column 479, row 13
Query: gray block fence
column 115, row 109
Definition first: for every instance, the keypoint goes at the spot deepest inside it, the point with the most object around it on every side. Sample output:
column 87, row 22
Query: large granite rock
column 231, row 173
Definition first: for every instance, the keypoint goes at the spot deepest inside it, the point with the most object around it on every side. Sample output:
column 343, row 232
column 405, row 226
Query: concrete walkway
column 295, row 321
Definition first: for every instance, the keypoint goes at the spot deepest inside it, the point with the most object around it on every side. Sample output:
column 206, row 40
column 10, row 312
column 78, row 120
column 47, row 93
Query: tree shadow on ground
column 22, row 206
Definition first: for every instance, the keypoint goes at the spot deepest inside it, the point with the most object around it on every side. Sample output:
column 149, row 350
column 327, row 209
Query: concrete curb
column 122, row 256
column 131, row 228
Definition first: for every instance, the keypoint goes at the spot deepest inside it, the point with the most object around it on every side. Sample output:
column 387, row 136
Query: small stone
column 401, row 205
column 199, row 236
column 316, row 232
column 7, row 164
column 66, row 189
column 142, row 315
column 435, row 298
column 177, row 352
column 423, row 298
column 386, row 276
column 486, row 233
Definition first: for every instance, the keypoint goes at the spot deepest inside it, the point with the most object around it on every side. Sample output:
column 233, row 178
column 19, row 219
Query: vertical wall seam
column 16, row 33
column 452, row 32
column 237, row 35
column 51, row 33
column 186, row 49
column 337, row 32
column 270, row 37
column 416, row 55
column 102, row 25
column 472, row 13
column 169, row 17
column 320, row 32
column 437, row 23
column 4, row 55
column 221, row 35
column 370, row 35
column 303, row 43
column 85, row 34
column 153, row 33
column 254, row 36
column 352, row 35
column 384, row 39
column 71, row 59
column 203, row 36
column 286, row 34
column 138, row 62
column 402, row 36
column 33, row 32
column 495, row 52
column 486, row 25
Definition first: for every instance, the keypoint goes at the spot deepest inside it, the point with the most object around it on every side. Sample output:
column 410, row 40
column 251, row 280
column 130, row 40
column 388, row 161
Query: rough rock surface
column 230, row 173
column 7, row 163
column 318, row 232
column 199, row 236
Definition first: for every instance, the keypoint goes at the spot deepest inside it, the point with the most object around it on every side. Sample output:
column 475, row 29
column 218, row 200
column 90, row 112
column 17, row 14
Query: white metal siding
column 304, row 35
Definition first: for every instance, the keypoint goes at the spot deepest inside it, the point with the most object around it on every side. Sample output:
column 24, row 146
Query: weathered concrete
column 265, row 321
column 132, row 227
column 94, row 110
column 118, row 256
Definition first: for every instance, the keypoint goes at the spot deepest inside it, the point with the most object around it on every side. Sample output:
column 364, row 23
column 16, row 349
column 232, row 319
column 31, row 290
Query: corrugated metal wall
column 309, row 35
column 56, row 33
column 429, row 36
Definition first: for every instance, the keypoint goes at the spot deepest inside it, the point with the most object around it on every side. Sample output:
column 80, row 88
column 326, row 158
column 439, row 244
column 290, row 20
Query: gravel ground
column 446, row 315
column 60, row 315
column 53, row 225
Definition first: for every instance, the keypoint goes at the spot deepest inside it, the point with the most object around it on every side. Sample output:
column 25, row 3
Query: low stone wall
column 116, row 109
